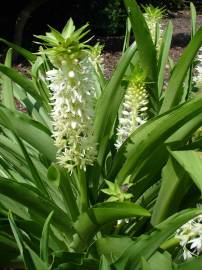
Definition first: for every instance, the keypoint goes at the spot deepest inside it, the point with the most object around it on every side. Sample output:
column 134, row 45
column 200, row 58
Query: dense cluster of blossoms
column 134, row 109
column 74, row 88
column 190, row 236
column 135, row 104
column 197, row 80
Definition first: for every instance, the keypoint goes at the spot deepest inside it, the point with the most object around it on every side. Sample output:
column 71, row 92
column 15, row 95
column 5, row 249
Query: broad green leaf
column 37, row 262
column 191, row 161
column 27, row 54
column 37, row 204
column 112, row 247
column 15, row 207
column 35, row 174
column 143, row 38
column 146, row 245
column 133, row 156
column 145, row 264
column 19, row 239
column 106, row 110
column 45, row 239
column 31, row 131
column 89, row 222
column 7, row 86
column 104, row 265
column 20, row 79
column 33, row 108
column 194, row 264
column 161, row 261
column 38, row 79
column 174, row 92
column 181, row 136
column 163, row 56
column 60, row 177
column 174, row 185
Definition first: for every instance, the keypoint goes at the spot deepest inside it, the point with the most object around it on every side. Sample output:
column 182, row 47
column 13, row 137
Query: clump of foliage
column 101, row 174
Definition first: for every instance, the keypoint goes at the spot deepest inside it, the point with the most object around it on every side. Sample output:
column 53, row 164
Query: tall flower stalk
column 74, row 88
column 153, row 17
column 134, row 108
column 197, row 83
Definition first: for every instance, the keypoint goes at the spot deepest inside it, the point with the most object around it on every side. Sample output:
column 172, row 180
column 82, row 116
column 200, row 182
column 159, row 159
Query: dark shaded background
column 106, row 17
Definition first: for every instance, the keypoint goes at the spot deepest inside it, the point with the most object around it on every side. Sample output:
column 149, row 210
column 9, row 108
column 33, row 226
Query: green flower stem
column 83, row 190
column 170, row 243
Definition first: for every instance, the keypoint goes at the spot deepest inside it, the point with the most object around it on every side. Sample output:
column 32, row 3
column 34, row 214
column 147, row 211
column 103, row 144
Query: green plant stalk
column 170, row 243
column 7, row 85
column 83, row 190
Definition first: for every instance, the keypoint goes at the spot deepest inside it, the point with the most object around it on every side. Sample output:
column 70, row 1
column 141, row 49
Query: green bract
column 69, row 197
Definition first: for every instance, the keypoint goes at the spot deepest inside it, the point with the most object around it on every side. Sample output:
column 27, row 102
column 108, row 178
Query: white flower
column 187, row 254
column 134, row 110
column 196, row 244
column 73, row 100
column 190, row 236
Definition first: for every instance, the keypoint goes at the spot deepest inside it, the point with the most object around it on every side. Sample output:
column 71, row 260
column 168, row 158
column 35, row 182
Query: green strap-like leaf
column 163, row 56
column 174, row 91
column 27, row 54
column 18, row 237
column 37, row 204
column 174, row 185
column 137, row 149
column 191, row 161
column 146, row 245
column 20, row 79
column 89, row 222
column 104, row 265
column 7, row 86
column 31, row 131
column 143, row 38
column 106, row 111
column 44, row 239
column 60, row 177
column 194, row 264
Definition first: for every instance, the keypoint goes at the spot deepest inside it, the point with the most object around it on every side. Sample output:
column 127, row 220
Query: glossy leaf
column 37, row 204
column 174, row 92
column 31, row 131
column 143, row 39
column 27, row 54
column 7, row 86
column 191, row 161
column 89, row 222
column 45, row 239
column 146, row 245
column 136, row 151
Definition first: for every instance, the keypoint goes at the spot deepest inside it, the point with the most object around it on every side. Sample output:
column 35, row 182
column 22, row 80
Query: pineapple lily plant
column 102, row 174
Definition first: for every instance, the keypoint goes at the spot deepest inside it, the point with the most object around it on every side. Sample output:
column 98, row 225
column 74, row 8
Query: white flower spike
column 74, row 87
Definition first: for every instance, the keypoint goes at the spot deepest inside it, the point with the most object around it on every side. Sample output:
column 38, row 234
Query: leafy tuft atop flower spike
column 153, row 17
column 65, row 46
column 74, row 87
